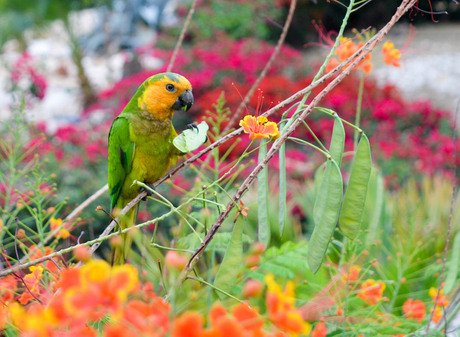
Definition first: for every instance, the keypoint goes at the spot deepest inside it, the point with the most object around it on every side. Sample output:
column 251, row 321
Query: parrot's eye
column 170, row 88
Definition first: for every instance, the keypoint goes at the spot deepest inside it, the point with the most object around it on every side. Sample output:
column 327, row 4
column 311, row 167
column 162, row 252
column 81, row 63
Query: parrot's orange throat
column 160, row 94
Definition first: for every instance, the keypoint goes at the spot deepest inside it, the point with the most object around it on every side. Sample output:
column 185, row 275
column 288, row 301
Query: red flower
column 414, row 309
column 320, row 330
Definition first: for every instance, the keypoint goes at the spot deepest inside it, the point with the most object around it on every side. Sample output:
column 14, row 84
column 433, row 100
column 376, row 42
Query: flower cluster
column 371, row 291
column 96, row 291
column 345, row 50
column 390, row 54
column 414, row 309
column 441, row 304
column 25, row 76
column 281, row 307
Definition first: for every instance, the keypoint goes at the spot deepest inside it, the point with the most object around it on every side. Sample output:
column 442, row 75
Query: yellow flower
column 95, row 271
column 259, row 127
column 36, row 321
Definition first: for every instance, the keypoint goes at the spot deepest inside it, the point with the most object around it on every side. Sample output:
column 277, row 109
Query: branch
column 181, row 36
column 364, row 51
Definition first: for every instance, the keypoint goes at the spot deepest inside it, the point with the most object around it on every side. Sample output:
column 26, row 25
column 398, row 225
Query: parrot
column 141, row 145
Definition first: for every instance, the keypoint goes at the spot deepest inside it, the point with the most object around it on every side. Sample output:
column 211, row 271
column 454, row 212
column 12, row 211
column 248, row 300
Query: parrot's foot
column 193, row 126
column 149, row 193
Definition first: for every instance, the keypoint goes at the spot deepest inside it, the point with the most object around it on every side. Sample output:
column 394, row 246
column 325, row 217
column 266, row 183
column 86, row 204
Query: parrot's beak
column 184, row 101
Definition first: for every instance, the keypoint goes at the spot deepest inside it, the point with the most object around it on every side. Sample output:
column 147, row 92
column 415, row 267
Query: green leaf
column 282, row 187
column 355, row 197
column 325, row 214
column 287, row 261
column 262, row 199
column 337, row 141
column 232, row 262
column 221, row 241
column 191, row 139
column 454, row 263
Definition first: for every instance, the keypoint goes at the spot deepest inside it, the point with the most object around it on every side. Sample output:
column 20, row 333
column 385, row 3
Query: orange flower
column 217, row 311
column 390, row 54
column 352, row 275
column 371, row 291
column 437, row 314
column 248, row 317
column 8, row 286
column 346, row 49
column 442, row 300
column 333, row 62
column 147, row 319
column 189, row 324
column 41, row 252
column 32, row 281
column 320, row 330
column 259, row 127
column 56, row 224
column 281, row 309
column 82, row 253
column 3, row 316
column 414, row 309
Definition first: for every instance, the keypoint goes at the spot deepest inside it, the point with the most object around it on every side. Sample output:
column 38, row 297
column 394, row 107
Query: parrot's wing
column 121, row 152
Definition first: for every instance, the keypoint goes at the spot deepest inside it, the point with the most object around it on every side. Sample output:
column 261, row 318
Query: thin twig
column 451, row 212
column 262, row 75
column 364, row 51
column 181, row 36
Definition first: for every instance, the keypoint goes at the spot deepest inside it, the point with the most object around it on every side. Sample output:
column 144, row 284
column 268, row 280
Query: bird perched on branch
column 141, row 144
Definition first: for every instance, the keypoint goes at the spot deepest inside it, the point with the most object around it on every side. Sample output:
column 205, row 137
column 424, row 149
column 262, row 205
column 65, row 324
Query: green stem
column 214, row 287
column 328, row 156
column 314, row 136
column 300, row 107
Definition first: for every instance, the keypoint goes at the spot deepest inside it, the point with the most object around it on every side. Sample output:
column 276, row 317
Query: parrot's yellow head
column 165, row 93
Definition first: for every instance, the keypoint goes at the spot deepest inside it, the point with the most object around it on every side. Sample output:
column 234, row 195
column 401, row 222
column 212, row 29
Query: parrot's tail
column 121, row 250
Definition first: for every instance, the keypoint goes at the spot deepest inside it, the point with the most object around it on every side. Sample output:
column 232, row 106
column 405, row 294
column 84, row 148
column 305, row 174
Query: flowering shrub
column 96, row 292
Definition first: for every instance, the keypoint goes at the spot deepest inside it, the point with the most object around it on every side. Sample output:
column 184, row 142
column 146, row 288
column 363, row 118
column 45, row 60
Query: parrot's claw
column 193, row 126
column 149, row 193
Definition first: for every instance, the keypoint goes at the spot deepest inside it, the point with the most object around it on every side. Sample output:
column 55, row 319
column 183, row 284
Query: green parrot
column 141, row 144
